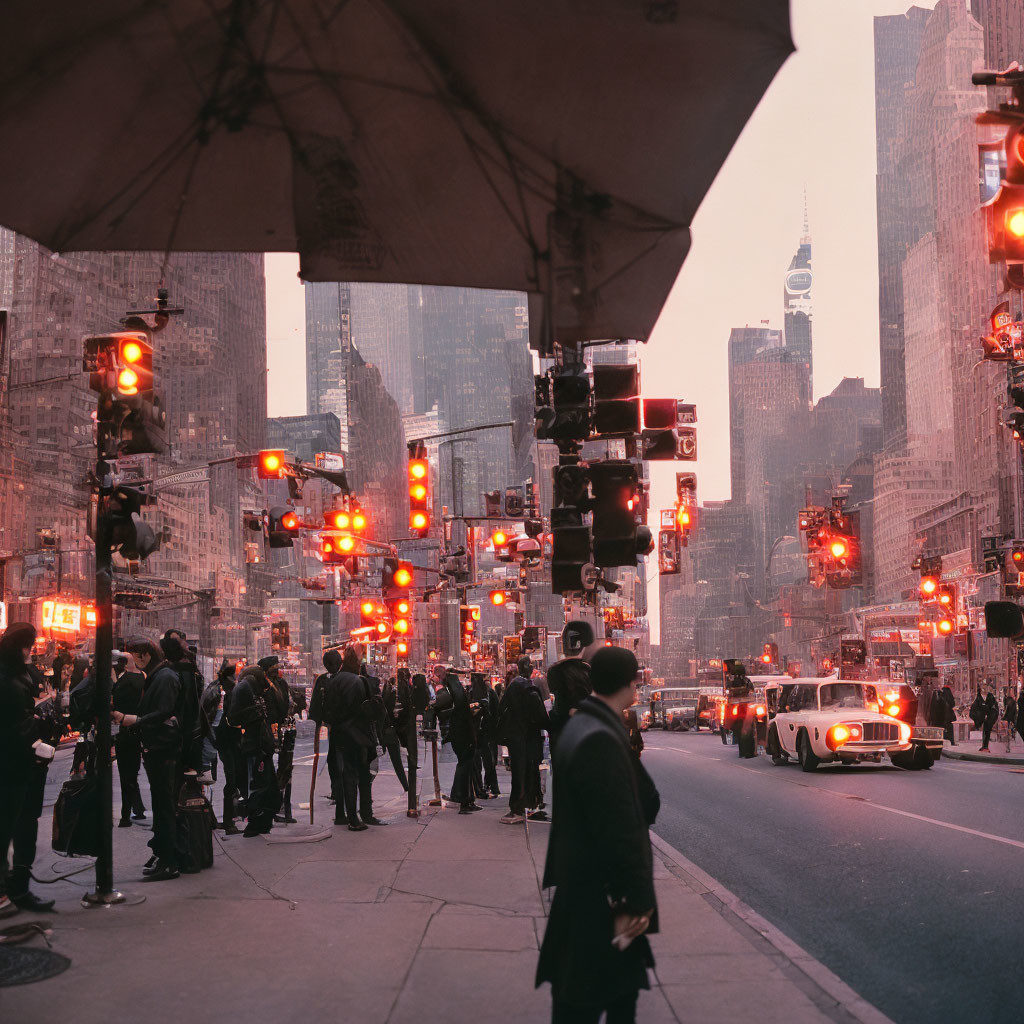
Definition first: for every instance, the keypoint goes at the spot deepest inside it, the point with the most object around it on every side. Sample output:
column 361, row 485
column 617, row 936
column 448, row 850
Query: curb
column 956, row 755
column 815, row 971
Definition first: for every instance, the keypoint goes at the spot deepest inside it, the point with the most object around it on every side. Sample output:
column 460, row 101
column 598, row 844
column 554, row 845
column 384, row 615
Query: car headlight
column 904, row 732
column 842, row 732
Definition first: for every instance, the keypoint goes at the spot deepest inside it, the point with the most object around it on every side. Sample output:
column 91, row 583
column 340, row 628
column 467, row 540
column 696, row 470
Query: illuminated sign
column 3, row 614
column 63, row 617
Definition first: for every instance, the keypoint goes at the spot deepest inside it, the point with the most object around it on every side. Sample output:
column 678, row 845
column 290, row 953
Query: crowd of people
column 186, row 734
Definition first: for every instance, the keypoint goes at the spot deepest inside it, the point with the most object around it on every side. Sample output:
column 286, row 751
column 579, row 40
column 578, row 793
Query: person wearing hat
column 22, row 774
column 569, row 679
column 248, row 712
column 595, row 952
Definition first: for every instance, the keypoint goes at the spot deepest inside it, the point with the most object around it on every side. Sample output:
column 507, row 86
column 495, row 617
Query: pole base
column 111, row 899
column 437, row 802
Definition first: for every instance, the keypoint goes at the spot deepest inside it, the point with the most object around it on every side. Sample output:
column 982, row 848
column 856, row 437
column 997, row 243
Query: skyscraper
column 797, row 311
column 902, row 218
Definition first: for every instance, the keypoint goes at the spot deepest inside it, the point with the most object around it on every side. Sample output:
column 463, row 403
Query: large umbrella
column 550, row 146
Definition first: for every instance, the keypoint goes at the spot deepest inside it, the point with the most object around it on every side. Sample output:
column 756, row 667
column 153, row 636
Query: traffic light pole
column 105, row 894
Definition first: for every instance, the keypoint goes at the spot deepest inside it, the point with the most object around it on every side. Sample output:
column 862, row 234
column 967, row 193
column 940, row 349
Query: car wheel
column 774, row 747
column 905, row 759
column 923, row 757
column 808, row 760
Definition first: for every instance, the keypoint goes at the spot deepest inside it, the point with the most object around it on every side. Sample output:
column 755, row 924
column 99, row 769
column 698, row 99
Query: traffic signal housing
column 469, row 617
column 401, row 609
column 270, row 464
column 133, row 537
column 616, row 400
column 617, row 539
column 282, row 525
column 396, row 577
column 419, row 489
column 280, row 635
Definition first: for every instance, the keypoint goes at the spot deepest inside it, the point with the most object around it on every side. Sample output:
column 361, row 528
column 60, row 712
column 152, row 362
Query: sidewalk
column 433, row 919
column 967, row 750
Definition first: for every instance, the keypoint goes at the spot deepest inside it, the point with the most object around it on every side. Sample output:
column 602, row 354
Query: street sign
column 896, row 670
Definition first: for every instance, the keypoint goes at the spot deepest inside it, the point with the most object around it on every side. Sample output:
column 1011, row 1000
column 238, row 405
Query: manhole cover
column 21, row 966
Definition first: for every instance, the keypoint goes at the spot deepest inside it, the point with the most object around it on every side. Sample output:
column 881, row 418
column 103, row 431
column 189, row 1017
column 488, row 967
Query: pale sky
column 814, row 128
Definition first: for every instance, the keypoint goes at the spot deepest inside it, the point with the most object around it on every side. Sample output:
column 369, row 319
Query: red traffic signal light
column 402, row 648
column 929, row 587
column 290, row 521
column 499, row 539
column 338, row 519
column 945, row 625
column 135, row 364
column 359, row 520
column 419, row 489
column 839, row 548
column 1017, row 555
column 270, row 464
column 403, row 575
column 498, row 598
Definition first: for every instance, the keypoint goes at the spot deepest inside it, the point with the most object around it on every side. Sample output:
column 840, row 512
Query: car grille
column 881, row 732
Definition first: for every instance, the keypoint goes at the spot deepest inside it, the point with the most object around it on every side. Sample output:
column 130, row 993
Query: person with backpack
column 194, row 726
column 522, row 719
column 569, row 678
column 355, row 717
column 158, row 725
column 126, row 696
column 248, row 711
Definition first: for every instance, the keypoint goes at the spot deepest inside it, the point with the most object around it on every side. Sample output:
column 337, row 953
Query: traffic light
column 402, row 648
column 396, row 576
column 770, row 654
column 282, row 525
column 618, row 540
column 929, row 587
column 419, row 489
column 359, row 520
column 686, row 487
column 669, row 553
column 401, row 616
column 1017, row 555
column 660, row 438
column 331, row 552
column 498, row 598
column 570, row 550
column 367, row 612
column 280, row 635
column 469, row 616
column 338, row 519
column 270, row 464
column 568, row 417
column 616, row 400
column 945, row 625
column 1005, row 211
column 134, row 538
column 946, row 596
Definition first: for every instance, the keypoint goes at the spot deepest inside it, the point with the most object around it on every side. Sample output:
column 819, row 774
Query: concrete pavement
column 438, row 918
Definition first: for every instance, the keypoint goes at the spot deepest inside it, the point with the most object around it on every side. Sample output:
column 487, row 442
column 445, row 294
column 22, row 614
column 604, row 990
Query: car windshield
column 841, row 695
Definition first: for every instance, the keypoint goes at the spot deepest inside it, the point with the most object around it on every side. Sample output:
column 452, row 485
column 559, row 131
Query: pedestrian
column 636, row 737
column 283, row 705
column 126, row 696
column 158, row 726
column 192, row 724
column 318, row 715
column 991, row 717
column 569, row 678
column 22, row 772
column 404, row 710
column 450, row 697
column 485, row 764
column 1009, row 716
column 595, row 951
column 977, row 712
column 392, row 740
column 350, row 697
column 522, row 719
column 248, row 712
column 228, row 740
column 949, row 713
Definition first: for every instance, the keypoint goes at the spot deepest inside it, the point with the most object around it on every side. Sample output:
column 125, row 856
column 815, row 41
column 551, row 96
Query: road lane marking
column 871, row 803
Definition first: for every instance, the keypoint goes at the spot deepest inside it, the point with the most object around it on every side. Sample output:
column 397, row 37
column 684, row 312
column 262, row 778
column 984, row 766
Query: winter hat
column 17, row 637
column 332, row 661
column 612, row 669
column 268, row 662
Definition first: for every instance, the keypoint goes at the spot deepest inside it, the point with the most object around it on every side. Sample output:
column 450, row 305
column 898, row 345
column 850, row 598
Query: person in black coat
column 126, row 696
column 248, row 712
column 949, row 713
column 595, row 952
column 406, row 706
column 318, row 715
column 389, row 733
column 22, row 775
column 569, row 679
column 522, row 720
column 485, row 764
column 194, row 726
column 228, row 739
column 991, row 709
column 158, row 725
column 349, row 699
column 461, row 734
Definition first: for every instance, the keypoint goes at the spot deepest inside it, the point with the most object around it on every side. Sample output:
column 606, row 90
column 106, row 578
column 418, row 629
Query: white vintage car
column 826, row 721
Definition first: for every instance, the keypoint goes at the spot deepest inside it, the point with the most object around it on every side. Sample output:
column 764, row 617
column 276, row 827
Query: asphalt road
column 908, row 885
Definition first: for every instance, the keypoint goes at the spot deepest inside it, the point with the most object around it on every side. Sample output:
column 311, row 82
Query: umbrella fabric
column 556, row 146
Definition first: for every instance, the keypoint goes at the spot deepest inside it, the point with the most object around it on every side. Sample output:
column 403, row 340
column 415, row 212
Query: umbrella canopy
column 550, row 146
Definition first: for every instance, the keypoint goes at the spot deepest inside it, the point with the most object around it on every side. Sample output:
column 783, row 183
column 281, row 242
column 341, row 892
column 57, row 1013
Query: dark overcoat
column 599, row 851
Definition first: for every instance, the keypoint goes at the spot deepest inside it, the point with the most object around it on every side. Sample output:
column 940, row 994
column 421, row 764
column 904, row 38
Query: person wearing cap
column 569, row 679
column 595, row 952
column 320, row 715
column 22, row 777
